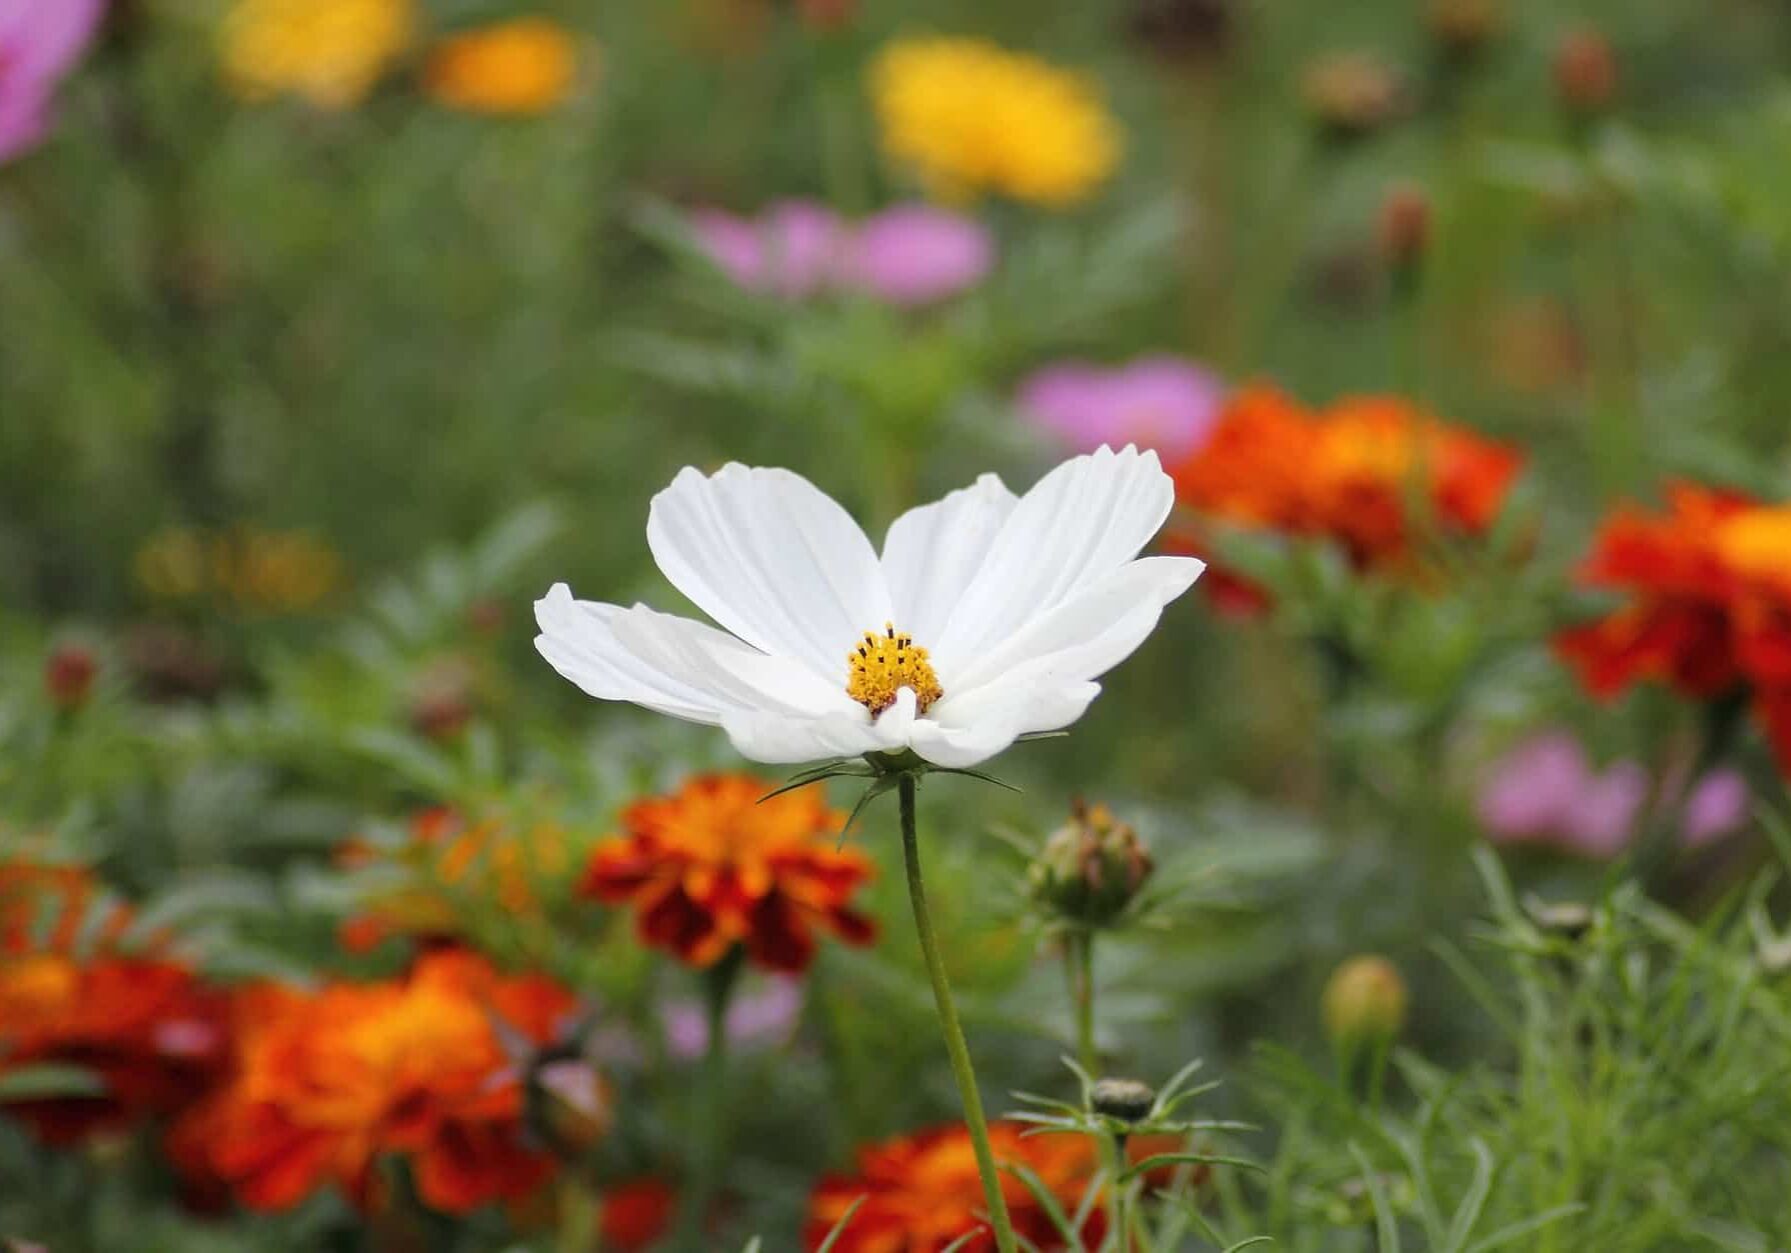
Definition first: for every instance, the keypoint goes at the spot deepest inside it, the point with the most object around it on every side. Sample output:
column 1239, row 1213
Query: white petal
column 999, row 725
column 1081, row 638
column 773, row 559
column 780, row 739
column 1078, row 524
column 931, row 554
column 740, row 676
column 578, row 639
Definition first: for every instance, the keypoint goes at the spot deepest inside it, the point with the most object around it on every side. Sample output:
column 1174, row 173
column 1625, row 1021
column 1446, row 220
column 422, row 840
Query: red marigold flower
column 1709, row 611
column 710, row 867
column 143, row 1024
column 1346, row 473
column 326, row 1081
column 922, row 1191
column 636, row 1213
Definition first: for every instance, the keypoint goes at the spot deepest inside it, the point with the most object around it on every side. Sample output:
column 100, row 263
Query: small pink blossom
column 906, row 256
column 1161, row 402
column 1546, row 791
column 40, row 41
column 763, row 1015
column 918, row 255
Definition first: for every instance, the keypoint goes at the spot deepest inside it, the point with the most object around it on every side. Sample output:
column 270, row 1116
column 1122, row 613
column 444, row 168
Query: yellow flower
column 524, row 66
column 969, row 117
column 331, row 52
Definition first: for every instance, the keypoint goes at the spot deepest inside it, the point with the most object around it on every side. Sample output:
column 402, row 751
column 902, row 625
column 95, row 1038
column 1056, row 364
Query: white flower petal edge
column 1022, row 603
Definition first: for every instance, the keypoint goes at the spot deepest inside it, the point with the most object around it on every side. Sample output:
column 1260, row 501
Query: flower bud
column 1364, row 1001
column 568, row 1104
column 827, row 15
column 1091, row 868
column 1463, row 28
column 1352, row 93
column 69, row 672
column 1585, row 71
column 1403, row 231
column 1128, row 1100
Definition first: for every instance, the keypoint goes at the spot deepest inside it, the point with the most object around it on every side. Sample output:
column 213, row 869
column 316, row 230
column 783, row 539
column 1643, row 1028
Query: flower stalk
column 693, row 1208
column 1078, row 960
column 955, row 1046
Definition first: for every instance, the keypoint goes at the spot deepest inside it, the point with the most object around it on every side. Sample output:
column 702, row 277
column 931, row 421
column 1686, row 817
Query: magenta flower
column 40, row 41
column 917, row 255
column 793, row 249
column 1546, row 791
column 1163, row 402
column 907, row 255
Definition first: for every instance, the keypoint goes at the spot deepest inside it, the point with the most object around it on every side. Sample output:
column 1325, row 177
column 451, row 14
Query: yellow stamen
column 882, row 665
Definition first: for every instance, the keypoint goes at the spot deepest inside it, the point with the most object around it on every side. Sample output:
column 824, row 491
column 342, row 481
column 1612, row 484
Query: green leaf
column 49, row 1081
column 839, row 1228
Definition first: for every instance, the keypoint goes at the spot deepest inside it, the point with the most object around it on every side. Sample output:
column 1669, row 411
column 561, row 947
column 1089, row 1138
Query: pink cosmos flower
column 793, row 249
column 906, row 256
column 1160, row 402
column 918, row 255
column 40, row 41
column 1546, row 791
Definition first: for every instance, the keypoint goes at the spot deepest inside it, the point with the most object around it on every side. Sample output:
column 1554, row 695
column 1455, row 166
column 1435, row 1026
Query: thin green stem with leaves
column 711, row 1129
column 954, row 1034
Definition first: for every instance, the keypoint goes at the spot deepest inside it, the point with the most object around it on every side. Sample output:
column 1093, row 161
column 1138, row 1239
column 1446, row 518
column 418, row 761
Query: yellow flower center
column 882, row 665
column 1758, row 543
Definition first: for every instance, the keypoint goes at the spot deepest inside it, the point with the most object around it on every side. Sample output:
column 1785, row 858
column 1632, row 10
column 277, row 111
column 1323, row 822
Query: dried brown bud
column 1091, row 868
column 1463, row 28
column 1125, row 1099
column 69, row 672
column 568, row 1105
column 486, row 617
column 442, row 700
column 1364, row 1001
column 1183, row 29
column 827, row 15
column 1352, row 93
column 1403, row 232
column 1585, row 71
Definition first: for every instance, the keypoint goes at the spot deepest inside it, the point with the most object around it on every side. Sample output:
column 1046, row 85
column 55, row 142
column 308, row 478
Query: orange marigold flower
column 326, row 1081
column 450, row 865
column 143, row 1024
column 1347, row 473
column 922, row 1191
column 710, row 867
column 1709, row 611
column 524, row 66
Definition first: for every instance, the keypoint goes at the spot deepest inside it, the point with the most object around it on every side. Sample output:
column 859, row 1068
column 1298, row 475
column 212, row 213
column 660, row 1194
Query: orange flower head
column 710, row 867
column 1708, row 608
column 921, row 1192
column 142, row 1023
column 1351, row 473
column 525, row 66
column 327, row 1081
column 450, row 866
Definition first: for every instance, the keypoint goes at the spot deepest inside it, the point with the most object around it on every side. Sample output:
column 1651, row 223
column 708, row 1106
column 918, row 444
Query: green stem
column 954, row 1034
column 1117, row 1217
column 578, row 1214
column 711, row 1129
column 1078, row 960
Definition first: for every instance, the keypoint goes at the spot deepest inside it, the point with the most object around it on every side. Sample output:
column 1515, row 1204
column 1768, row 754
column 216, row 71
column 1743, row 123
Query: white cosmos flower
column 988, row 616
